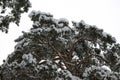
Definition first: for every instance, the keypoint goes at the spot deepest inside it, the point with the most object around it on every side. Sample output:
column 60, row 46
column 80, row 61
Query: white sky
column 104, row 14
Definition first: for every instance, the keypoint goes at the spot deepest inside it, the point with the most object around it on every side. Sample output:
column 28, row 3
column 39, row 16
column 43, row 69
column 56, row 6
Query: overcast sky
column 104, row 14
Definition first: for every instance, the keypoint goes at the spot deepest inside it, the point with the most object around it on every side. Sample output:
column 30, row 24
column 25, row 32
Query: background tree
column 11, row 11
column 54, row 50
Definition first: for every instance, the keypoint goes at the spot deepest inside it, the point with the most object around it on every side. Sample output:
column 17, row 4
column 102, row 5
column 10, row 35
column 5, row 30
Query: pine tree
column 53, row 50
column 11, row 11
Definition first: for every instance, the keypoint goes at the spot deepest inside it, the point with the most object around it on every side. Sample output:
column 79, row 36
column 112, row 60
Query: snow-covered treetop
column 53, row 49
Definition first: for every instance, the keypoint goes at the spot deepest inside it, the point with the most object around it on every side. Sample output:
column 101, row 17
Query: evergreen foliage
column 54, row 50
column 11, row 11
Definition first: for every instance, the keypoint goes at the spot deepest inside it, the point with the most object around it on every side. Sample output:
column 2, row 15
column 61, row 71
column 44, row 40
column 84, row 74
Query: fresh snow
column 106, row 67
column 36, row 23
column 63, row 20
column 29, row 58
column 114, row 39
column 1, row 18
column 104, row 34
